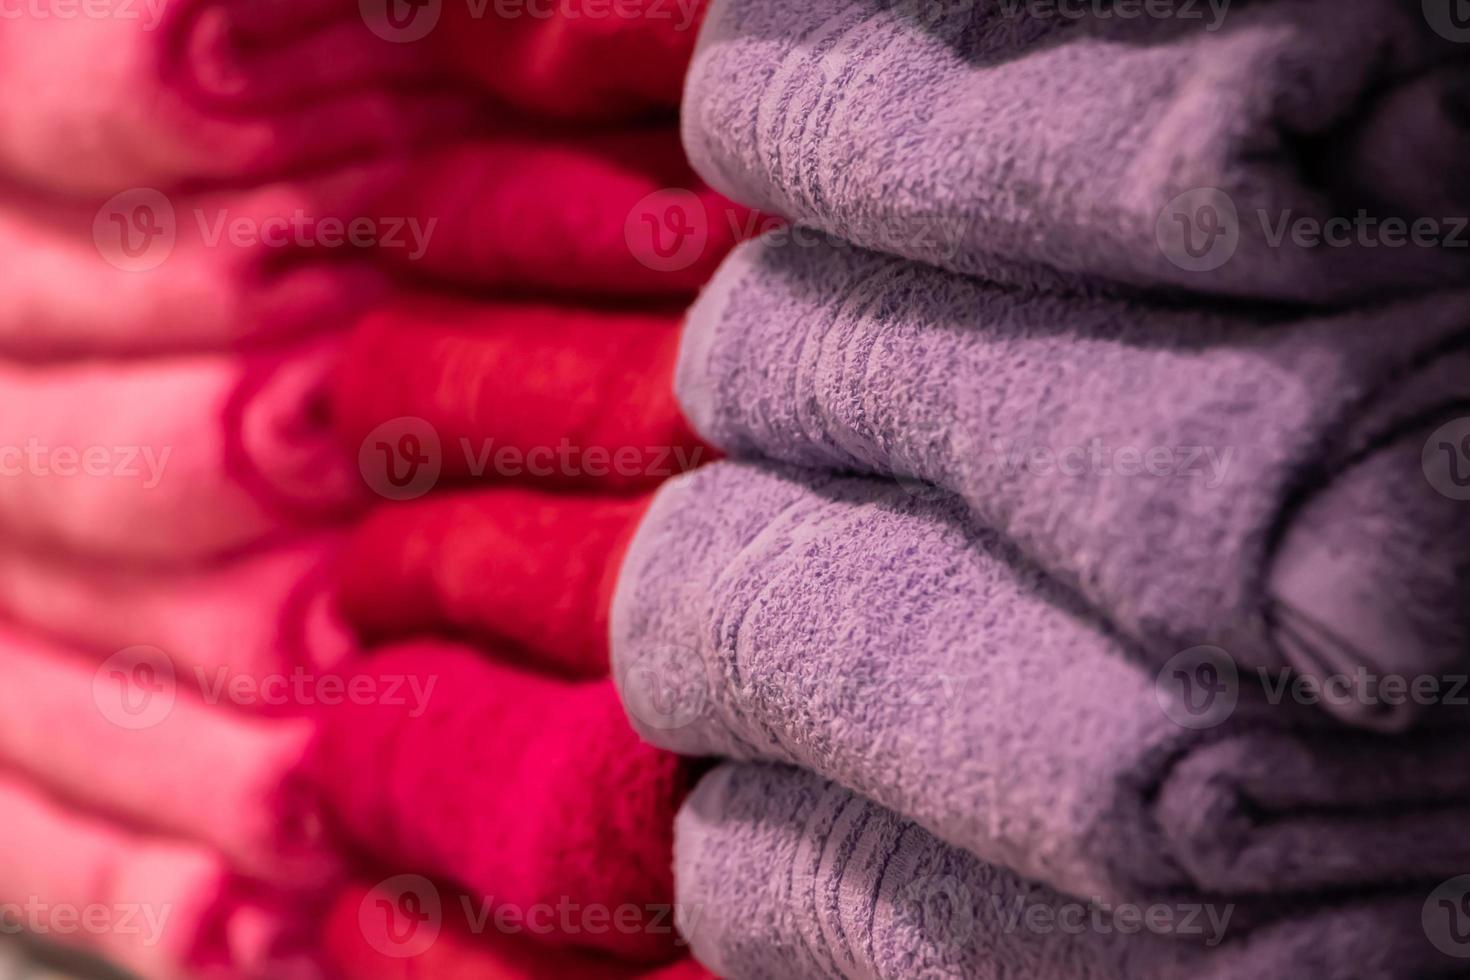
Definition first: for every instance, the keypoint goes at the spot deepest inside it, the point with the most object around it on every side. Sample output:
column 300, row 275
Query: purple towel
column 781, row 874
column 885, row 642
column 1199, row 151
column 1198, row 476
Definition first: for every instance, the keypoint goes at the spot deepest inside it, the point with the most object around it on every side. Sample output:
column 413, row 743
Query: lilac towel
column 783, row 875
column 1200, row 477
column 887, row 643
column 1000, row 137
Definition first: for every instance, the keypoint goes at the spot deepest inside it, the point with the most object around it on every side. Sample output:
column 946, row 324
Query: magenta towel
column 121, row 737
column 170, row 460
column 171, row 911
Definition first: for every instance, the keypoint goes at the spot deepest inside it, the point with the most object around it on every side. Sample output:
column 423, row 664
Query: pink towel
column 171, row 459
column 146, row 272
column 122, row 738
column 262, row 619
column 164, row 910
column 211, row 89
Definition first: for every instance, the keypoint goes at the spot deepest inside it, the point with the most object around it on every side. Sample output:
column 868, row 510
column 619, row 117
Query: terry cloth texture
column 529, row 573
column 888, row 643
column 520, row 392
column 1016, row 143
column 1200, row 477
column 789, row 876
column 522, row 788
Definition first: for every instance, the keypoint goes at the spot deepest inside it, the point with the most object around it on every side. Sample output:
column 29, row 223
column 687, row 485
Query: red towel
column 577, row 59
column 525, row 790
column 618, row 214
column 373, row 934
column 532, row 393
column 505, row 566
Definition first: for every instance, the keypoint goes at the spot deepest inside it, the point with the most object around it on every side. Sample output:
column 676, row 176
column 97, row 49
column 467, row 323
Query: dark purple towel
column 1279, row 487
column 1198, row 150
column 888, row 643
column 783, row 875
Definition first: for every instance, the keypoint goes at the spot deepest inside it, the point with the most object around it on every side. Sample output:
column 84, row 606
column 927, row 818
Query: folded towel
column 265, row 618
column 888, row 643
column 530, row 573
column 171, row 459
column 528, row 790
column 151, row 273
column 525, row 392
column 786, row 875
column 581, row 60
column 1003, row 139
column 396, row 931
column 123, row 739
column 1202, row 477
column 168, row 911
column 615, row 214
column 208, row 90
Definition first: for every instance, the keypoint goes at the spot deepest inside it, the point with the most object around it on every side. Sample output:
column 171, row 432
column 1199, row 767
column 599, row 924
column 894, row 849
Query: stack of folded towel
column 1053, row 468
column 515, row 407
column 177, row 287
